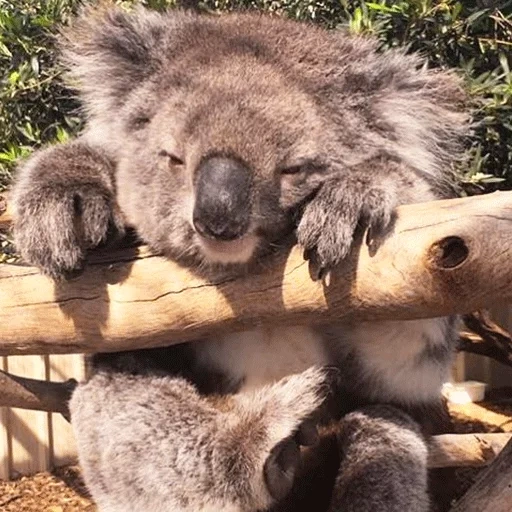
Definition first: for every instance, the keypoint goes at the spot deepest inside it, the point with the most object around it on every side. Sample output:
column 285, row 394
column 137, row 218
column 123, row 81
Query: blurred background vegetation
column 475, row 37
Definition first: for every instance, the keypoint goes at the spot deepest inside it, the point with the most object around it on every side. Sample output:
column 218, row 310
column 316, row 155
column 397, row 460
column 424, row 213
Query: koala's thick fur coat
column 222, row 140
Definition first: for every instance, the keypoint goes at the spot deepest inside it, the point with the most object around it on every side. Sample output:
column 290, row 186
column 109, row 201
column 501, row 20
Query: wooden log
column 440, row 258
column 465, row 450
column 492, row 491
column 486, row 338
column 482, row 413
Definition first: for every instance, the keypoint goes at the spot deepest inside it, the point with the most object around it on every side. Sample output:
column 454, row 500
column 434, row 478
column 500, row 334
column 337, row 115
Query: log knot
column 449, row 253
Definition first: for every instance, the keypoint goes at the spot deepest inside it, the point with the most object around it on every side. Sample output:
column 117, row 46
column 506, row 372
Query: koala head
column 217, row 147
column 224, row 127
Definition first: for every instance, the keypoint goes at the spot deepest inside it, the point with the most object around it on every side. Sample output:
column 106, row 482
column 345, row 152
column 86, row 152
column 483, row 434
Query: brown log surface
column 465, row 450
column 440, row 258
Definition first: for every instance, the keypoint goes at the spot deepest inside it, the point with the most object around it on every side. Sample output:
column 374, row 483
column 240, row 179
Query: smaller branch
column 35, row 394
column 493, row 420
column 492, row 492
column 487, row 338
column 465, row 450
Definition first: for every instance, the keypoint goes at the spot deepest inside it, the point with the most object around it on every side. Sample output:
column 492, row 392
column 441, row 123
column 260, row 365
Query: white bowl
column 464, row 392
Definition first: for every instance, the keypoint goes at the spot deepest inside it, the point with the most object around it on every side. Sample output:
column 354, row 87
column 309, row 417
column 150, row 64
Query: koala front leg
column 153, row 443
column 383, row 463
column 64, row 203
column 365, row 195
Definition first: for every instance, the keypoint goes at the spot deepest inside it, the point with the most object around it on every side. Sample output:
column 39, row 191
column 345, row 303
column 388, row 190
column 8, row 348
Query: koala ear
column 110, row 52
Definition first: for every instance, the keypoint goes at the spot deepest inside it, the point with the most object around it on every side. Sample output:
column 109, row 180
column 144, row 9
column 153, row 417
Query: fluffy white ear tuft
column 110, row 52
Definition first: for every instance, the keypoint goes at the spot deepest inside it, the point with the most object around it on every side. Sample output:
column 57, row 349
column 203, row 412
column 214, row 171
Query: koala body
column 222, row 141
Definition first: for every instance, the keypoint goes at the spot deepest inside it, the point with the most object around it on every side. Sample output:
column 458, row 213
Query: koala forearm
column 64, row 165
column 64, row 202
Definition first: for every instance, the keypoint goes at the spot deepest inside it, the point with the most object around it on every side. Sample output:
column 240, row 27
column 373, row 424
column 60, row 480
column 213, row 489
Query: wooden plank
column 5, row 468
column 479, row 412
column 29, row 430
column 63, row 448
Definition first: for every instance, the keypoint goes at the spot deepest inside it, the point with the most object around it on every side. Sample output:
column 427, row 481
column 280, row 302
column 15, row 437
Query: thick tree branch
column 487, row 338
column 440, row 258
column 465, row 450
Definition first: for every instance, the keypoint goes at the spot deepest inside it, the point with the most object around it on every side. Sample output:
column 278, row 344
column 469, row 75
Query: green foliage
column 35, row 107
column 473, row 36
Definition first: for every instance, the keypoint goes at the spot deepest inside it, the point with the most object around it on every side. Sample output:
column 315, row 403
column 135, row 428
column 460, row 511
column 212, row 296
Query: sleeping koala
column 223, row 141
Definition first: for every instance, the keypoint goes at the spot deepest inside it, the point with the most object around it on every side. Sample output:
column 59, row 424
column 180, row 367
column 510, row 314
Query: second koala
column 222, row 141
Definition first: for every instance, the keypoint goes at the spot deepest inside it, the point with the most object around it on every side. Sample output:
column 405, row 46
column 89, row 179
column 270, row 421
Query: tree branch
column 465, row 450
column 487, row 338
column 440, row 258
column 35, row 394
column 492, row 492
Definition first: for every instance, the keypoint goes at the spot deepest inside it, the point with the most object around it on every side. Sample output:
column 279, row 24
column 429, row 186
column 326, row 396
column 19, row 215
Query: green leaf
column 4, row 50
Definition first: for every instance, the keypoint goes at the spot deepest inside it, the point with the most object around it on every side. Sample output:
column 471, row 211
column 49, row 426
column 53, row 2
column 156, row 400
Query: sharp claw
column 280, row 468
column 327, row 277
column 322, row 272
column 369, row 237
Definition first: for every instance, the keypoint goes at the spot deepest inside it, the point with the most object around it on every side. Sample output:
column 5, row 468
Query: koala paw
column 284, row 459
column 289, row 412
column 329, row 222
column 54, row 227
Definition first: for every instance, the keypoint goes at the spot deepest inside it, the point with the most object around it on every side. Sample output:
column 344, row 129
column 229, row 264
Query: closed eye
column 295, row 169
column 172, row 158
column 140, row 122
column 303, row 167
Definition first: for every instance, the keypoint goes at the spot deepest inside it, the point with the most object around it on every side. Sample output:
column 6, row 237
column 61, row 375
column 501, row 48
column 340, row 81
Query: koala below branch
column 223, row 141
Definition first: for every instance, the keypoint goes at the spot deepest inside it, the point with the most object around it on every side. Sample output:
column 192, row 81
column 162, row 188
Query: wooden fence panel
column 33, row 441
column 4, row 434
column 63, row 449
column 29, row 430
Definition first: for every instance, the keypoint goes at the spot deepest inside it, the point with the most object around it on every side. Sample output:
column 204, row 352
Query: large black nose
column 223, row 188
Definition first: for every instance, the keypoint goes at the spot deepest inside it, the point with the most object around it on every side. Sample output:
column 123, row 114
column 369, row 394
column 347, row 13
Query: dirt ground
column 60, row 491
column 63, row 489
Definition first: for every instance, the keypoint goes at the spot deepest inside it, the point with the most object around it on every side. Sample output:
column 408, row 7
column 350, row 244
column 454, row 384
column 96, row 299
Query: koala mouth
column 239, row 250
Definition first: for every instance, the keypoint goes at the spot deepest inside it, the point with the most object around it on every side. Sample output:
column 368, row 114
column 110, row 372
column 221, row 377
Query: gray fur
column 333, row 135
column 383, row 454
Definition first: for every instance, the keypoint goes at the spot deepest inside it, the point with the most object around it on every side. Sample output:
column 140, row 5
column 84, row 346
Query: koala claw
column 313, row 390
column 329, row 223
column 280, row 468
column 54, row 228
column 284, row 459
